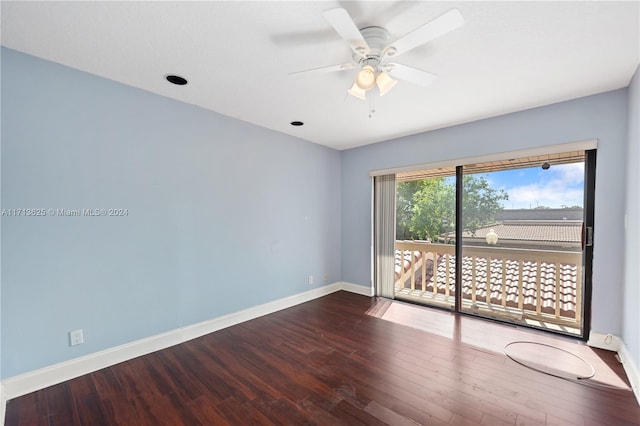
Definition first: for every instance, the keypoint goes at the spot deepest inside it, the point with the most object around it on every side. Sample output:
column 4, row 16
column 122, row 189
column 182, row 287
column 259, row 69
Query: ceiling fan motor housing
column 377, row 38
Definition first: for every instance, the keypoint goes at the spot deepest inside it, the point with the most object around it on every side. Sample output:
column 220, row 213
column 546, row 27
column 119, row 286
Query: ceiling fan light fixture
column 385, row 83
column 370, row 46
column 357, row 92
column 366, row 78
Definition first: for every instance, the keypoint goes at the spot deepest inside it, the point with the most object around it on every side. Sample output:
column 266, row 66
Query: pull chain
column 372, row 109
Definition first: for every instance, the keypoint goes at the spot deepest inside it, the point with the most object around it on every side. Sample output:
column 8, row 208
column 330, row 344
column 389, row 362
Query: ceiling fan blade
column 412, row 75
column 347, row 29
column 444, row 23
column 331, row 68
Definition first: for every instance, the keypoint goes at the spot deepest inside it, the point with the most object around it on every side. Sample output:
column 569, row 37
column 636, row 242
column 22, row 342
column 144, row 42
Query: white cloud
column 561, row 185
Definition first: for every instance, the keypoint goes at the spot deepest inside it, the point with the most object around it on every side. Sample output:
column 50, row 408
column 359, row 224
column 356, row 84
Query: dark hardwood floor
column 341, row 359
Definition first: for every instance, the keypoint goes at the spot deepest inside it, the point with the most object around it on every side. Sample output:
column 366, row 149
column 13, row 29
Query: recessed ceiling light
column 176, row 79
column 297, row 123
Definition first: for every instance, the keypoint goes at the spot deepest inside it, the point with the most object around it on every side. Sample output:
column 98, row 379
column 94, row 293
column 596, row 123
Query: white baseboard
column 614, row 343
column 48, row 376
column 358, row 289
column 631, row 369
column 608, row 342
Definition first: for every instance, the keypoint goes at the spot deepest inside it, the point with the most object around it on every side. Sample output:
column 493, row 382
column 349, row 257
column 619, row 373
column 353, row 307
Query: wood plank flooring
column 343, row 359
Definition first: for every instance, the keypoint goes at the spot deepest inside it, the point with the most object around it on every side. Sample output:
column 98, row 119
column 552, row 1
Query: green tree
column 479, row 202
column 425, row 209
column 433, row 209
column 405, row 192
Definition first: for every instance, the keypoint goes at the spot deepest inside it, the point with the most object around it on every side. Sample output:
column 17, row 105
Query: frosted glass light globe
column 366, row 77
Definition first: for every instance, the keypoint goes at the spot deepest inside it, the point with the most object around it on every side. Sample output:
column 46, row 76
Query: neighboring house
column 572, row 213
column 541, row 229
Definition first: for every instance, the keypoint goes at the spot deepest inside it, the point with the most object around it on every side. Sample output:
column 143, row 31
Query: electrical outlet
column 326, row 278
column 75, row 337
column 310, row 279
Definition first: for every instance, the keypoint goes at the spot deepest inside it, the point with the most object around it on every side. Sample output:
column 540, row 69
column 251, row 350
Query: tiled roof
column 552, row 231
column 529, row 283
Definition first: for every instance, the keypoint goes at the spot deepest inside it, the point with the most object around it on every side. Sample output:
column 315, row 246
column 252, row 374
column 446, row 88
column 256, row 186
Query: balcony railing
column 521, row 285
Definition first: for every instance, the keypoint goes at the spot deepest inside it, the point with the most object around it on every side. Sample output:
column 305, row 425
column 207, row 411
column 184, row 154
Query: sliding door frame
column 459, row 231
column 590, row 149
column 587, row 254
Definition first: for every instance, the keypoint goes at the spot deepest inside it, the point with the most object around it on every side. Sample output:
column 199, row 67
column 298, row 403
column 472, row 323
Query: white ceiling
column 237, row 56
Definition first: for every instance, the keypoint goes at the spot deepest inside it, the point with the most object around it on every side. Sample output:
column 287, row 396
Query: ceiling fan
column 372, row 49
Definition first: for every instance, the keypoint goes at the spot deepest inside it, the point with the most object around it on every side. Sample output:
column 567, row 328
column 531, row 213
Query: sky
column 561, row 185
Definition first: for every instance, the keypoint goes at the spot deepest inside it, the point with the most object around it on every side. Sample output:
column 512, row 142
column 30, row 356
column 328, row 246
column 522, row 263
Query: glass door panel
column 522, row 254
column 425, row 269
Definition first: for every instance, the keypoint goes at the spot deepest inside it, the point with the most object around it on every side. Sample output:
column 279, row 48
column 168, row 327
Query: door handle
column 589, row 236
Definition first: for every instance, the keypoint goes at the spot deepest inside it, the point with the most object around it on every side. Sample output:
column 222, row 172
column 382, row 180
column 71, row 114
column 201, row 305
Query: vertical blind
column 384, row 235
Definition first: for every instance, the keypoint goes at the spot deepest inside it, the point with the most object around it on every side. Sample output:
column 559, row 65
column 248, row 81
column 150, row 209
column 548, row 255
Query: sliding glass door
column 522, row 251
column 510, row 240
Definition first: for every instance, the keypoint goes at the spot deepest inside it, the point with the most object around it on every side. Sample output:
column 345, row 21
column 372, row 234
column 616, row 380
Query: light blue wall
column 223, row 215
column 602, row 116
column 631, row 321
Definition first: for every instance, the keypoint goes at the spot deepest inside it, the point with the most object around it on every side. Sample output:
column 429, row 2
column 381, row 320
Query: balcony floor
column 492, row 311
